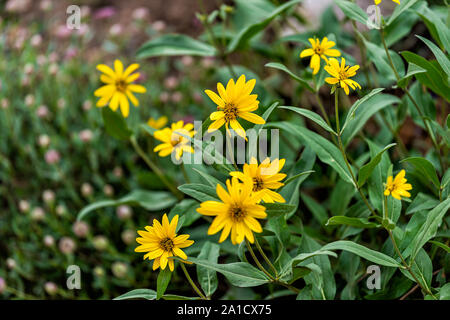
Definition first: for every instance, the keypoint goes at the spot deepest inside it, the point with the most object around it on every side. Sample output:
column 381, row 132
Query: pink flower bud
column 29, row 100
column 48, row 196
column 5, row 103
column 159, row 25
column 44, row 140
column 38, row 214
column 118, row 172
column 187, row 61
column 115, row 30
column 67, row 245
column 86, row 189
column 51, row 288
column 124, row 212
column 128, row 236
column 177, row 97
column 140, row 13
column 49, row 241
column 85, row 135
column 2, row 285
column 36, row 40
column 61, row 210
column 10, row 263
column 87, row 105
column 164, row 97
column 43, row 112
column 171, row 82
column 108, row 190
column 81, row 229
column 52, row 156
column 24, row 206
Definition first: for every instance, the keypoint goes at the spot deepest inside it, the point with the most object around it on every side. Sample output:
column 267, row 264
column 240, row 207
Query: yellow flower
column 161, row 243
column 265, row 176
column 319, row 50
column 377, row 2
column 157, row 123
column 118, row 87
column 340, row 74
column 397, row 187
column 236, row 101
column 174, row 139
column 236, row 212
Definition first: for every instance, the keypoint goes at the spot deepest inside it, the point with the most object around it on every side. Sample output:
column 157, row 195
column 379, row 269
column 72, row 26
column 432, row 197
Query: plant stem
column 422, row 116
column 344, row 155
column 186, row 177
column 155, row 168
column 193, row 285
column 231, row 149
column 261, row 251
column 249, row 247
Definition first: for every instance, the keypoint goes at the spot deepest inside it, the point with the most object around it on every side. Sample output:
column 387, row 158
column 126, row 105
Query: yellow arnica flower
column 377, row 2
column 174, row 139
column 157, row 123
column 118, row 87
column 236, row 101
column 341, row 74
column 397, row 187
column 162, row 243
column 265, row 176
column 236, row 212
column 319, row 50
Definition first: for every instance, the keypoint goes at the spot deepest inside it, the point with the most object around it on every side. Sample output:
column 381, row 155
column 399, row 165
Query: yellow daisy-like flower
column 174, row 139
column 236, row 212
column 397, row 187
column 341, row 74
column 319, row 50
column 265, row 177
column 118, row 87
column 236, row 101
column 157, row 123
column 377, row 2
column 161, row 242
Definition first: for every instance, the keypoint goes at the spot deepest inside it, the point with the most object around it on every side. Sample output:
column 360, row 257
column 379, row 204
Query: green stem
column 155, row 168
column 261, row 251
column 186, row 177
column 249, row 247
column 422, row 116
column 193, row 285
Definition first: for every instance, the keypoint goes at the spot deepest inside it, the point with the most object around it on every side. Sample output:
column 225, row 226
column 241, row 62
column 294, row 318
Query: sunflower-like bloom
column 118, row 87
column 341, row 74
column 377, row 2
column 161, row 242
column 174, row 139
column 265, row 176
column 397, row 187
column 319, row 50
column 236, row 101
column 157, row 123
column 236, row 212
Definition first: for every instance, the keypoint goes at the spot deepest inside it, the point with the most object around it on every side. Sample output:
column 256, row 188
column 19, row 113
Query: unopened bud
column 81, row 229
column 100, row 243
column 124, row 212
column 51, row 288
column 67, row 245
column 119, row 269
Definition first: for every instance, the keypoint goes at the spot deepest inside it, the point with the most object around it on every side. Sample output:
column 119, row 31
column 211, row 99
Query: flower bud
column 187, row 61
column 128, row 236
column 44, row 140
column 81, row 229
column 124, row 212
column 38, row 214
column 159, row 25
column 140, row 13
column 52, row 156
column 36, row 40
column 11, row 263
column 100, row 242
column 99, row 271
column 85, row 135
column 49, row 241
column 2, row 285
column 42, row 112
column 115, row 30
column 5, row 103
column 48, row 196
column 177, row 97
column 67, row 245
column 86, row 189
column 171, row 82
column 118, row 172
column 24, row 206
column 61, row 103
column 29, row 100
column 108, row 190
column 61, row 210
column 119, row 269
column 51, row 288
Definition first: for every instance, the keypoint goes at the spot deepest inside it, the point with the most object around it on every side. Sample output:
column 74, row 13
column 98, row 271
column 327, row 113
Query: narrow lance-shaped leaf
column 208, row 277
column 367, row 169
column 282, row 67
column 424, row 167
column 312, row 116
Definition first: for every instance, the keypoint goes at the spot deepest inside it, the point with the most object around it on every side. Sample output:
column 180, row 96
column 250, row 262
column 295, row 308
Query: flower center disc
column 237, row 214
column 176, row 139
column 318, row 50
column 230, row 111
column 121, row 85
column 166, row 244
column 258, row 184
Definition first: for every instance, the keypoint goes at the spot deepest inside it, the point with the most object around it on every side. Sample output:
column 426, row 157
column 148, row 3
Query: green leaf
column 278, row 209
column 363, row 252
column 429, row 229
column 305, row 256
column 162, row 282
column 148, row 294
column 413, row 69
column 115, row 124
column 422, row 202
column 352, row 11
column 325, row 150
column 151, row 131
column 207, row 277
column 199, row 192
column 440, row 245
column 352, row 222
column 187, row 211
column 365, row 112
column 282, row 67
column 177, row 297
column 424, row 167
column 175, row 45
column 213, row 182
column 444, row 292
column 439, row 30
column 240, row 274
column 244, row 36
column 312, row 116
column 149, row 200
column 253, row 148
column 367, row 169
column 316, row 209
column 295, row 177
column 403, row 6
column 440, row 56
column 433, row 78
